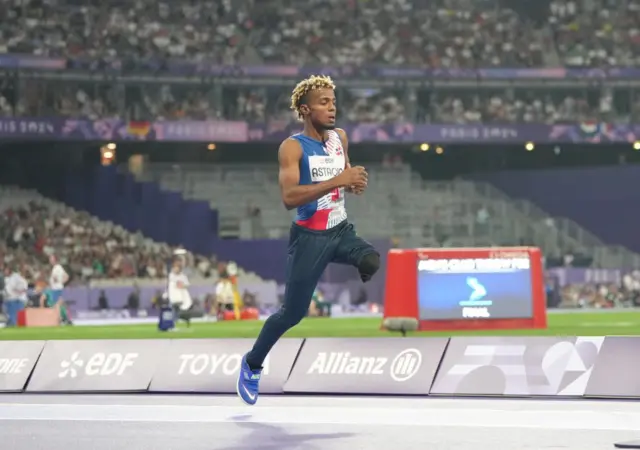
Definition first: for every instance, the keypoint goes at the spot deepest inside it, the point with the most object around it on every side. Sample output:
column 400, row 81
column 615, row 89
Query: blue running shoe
column 248, row 383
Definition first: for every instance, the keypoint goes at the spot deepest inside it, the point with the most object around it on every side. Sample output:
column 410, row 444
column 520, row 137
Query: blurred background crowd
column 549, row 104
column 443, row 34
column 89, row 248
column 439, row 33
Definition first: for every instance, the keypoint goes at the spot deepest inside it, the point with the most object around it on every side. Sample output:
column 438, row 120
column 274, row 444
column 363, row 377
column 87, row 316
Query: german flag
column 139, row 128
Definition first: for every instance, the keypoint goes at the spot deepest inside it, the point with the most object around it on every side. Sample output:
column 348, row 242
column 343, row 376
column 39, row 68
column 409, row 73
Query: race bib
column 323, row 168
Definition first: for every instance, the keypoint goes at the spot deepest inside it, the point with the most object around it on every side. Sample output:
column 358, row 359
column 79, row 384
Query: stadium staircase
column 398, row 204
column 13, row 197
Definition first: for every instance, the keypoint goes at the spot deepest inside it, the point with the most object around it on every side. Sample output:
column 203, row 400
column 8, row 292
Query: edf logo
column 99, row 364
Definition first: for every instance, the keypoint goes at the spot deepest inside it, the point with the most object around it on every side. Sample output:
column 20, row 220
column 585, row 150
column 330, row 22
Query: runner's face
column 322, row 107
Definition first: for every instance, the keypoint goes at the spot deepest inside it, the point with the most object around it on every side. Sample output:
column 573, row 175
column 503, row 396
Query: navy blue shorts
column 310, row 251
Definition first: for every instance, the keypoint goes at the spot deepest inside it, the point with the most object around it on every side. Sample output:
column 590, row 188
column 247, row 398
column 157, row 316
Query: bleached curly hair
column 312, row 83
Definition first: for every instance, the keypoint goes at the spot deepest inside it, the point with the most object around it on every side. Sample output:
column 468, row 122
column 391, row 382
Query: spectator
column 103, row 301
column 133, row 301
column 16, row 295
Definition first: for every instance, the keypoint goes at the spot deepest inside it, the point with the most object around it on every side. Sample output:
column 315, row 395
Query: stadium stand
column 595, row 33
column 33, row 227
column 442, row 33
column 445, row 34
column 398, row 203
column 601, row 295
column 502, row 105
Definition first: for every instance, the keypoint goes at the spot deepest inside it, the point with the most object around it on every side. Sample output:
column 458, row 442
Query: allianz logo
column 213, row 363
column 97, row 364
column 404, row 366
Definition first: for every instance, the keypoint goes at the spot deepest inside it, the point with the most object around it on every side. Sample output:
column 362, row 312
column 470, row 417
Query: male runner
column 314, row 174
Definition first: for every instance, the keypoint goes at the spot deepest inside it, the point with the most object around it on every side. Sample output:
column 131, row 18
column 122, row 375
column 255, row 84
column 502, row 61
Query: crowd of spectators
column 438, row 33
column 550, row 107
column 599, row 295
column 442, row 33
column 176, row 102
column 88, row 248
column 596, row 33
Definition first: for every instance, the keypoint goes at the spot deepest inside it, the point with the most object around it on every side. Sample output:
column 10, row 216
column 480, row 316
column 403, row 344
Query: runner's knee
column 368, row 266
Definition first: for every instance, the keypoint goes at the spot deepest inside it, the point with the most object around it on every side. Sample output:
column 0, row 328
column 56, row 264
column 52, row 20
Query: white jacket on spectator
column 178, row 290
column 58, row 277
column 225, row 292
column 15, row 287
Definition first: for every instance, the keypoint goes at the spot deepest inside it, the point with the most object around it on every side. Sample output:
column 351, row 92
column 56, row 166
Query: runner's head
column 314, row 100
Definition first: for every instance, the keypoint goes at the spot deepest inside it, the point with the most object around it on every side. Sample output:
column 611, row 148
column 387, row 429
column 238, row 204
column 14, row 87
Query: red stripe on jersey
column 318, row 221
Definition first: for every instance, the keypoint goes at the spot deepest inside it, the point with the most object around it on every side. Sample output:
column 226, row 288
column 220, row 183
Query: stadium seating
column 279, row 31
column 398, row 203
column 33, row 227
column 437, row 34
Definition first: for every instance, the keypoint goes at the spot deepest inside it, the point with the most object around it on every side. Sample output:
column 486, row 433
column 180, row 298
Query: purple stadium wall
column 596, row 198
column 167, row 217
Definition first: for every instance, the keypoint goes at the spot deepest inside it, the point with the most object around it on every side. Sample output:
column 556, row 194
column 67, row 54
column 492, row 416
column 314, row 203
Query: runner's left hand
column 353, row 189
